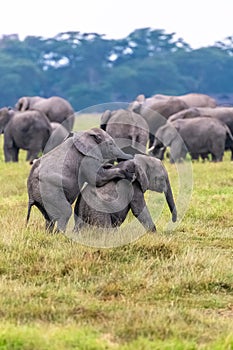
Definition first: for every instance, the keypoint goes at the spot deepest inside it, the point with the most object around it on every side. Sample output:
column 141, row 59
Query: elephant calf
column 55, row 179
column 108, row 206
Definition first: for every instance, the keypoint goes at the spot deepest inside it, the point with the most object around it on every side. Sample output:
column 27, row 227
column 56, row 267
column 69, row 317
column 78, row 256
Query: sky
column 199, row 22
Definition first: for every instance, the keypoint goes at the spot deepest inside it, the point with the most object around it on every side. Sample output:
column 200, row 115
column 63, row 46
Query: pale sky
column 199, row 22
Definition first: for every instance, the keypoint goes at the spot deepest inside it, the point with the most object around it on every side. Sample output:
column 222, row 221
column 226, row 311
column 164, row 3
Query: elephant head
column 164, row 137
column 5, row 116
column 96, row 143
column 152, row 175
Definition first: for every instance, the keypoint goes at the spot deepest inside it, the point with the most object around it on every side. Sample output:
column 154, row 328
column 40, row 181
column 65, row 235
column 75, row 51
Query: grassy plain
column 169, row 290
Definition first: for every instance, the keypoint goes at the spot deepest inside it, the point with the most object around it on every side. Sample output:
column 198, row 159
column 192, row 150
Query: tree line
column 88, row 69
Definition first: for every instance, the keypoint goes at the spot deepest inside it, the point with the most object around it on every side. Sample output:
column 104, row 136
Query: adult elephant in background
column 29, row 130
column 198, row 136
column 129, row 130
column 156, row 111
column 56, row 178
column 56, row 108
column 193, row 99
column 223, row 114
column 108, row 206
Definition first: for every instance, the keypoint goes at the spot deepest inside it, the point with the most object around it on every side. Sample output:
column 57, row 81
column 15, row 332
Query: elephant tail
column 40, row 207
column 30, row 205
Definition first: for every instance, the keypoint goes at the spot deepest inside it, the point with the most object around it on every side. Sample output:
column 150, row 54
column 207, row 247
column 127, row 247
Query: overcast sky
column 199, row 22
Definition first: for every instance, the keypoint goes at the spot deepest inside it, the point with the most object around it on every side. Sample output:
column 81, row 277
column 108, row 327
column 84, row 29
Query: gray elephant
column 193, row 99
column 107, row 206
column 223, row 114
column 56, row 108
column 129, row 130
column 198, row 136
column 56, row 178
column 58, row 135
column 156, row 111
column 29, row 130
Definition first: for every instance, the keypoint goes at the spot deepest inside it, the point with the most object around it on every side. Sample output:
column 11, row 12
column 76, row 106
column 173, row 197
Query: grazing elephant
column 156, row 112
column 223, row 114
column 108, row 206
column 198, row 136
column 129, row 130
column 56, row 178
column 58, row 135
column 29, row 130
column 193, row 99
column 56, row 108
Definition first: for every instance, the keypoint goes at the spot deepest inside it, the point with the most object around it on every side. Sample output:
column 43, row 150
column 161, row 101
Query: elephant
column 198, row 136
column 29, row 130
column 58, row 135
column 129, row 130
column 193, row 99
column 56, row 108
column 223, row 114
column 156, row 111
column 56, row 178
column 107, row 206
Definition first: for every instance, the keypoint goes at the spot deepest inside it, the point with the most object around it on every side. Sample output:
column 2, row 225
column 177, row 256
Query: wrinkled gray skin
column 29, row 130
column 56, row 178
column 223, row 114
column 129, row 130
column 156, row 111
column 56, row 108
column 198, row 136
column 58, row 135
column 108, row 206
column 193, row 99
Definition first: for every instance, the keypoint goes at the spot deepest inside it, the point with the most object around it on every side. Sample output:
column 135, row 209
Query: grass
column 169, row 290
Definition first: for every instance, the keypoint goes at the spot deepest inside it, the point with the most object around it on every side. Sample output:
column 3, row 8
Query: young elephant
column 29, row 130
column 108, row 205
column 56, row 178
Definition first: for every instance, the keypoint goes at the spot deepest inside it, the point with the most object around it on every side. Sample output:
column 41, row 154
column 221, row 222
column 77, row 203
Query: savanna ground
column 169, row 290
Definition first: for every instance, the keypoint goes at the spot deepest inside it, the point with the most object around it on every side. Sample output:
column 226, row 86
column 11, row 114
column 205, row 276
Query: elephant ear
column 140, row 172
column 167, row 133
column 87, row 143
column 105, row 119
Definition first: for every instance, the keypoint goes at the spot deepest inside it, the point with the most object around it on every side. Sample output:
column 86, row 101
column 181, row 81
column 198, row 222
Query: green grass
column 169, row 290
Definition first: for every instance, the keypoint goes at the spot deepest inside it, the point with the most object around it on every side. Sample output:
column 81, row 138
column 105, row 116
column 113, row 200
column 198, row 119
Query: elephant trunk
column 170, row 200
column 123, row 155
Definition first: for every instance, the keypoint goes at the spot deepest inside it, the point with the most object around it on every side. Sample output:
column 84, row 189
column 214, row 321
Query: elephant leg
column 79, row 224
column 231, row 149
column 49, row 225
column 64, row 218
column 15, row 154
column 141, row 212
column 10, row 153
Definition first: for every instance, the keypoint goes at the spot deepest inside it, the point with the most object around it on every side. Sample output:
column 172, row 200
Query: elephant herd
column 191, row 123
column 35, row 124
column 105, row 171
